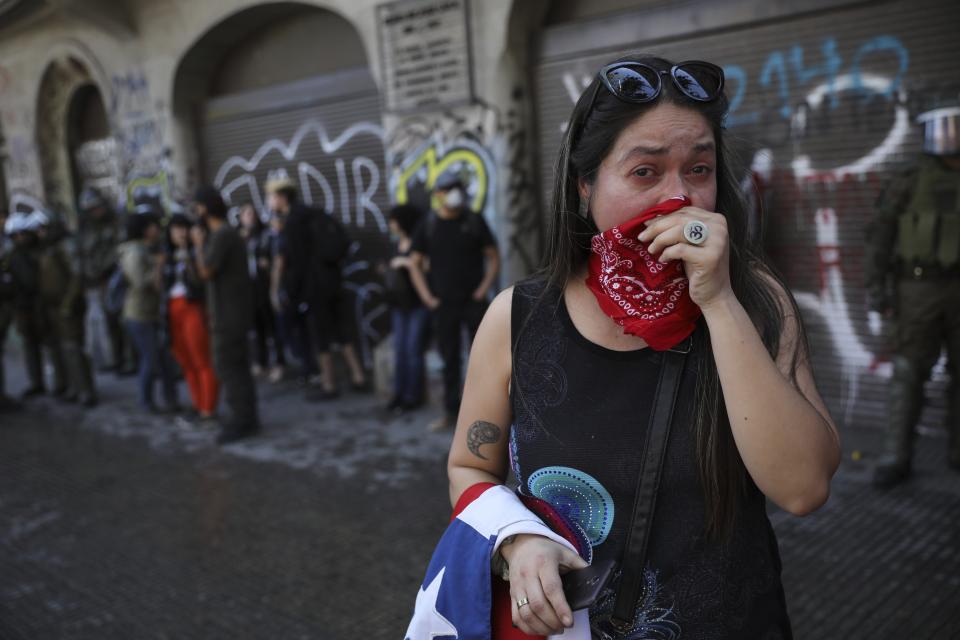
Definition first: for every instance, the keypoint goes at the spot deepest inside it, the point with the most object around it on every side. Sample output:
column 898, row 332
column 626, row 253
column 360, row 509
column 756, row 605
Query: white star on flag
column 433, row 624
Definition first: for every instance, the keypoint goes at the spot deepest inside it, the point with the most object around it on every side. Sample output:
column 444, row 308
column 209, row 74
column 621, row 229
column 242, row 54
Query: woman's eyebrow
column 644, row 150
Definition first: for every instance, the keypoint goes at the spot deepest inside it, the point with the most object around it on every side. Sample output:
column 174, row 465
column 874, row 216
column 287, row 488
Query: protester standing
column 408, row 314
column 289, row 321
column 186, row 319
column 258, row 241
column 314, row 247
column 141, row 266
column 286, row 282
column 221, row 260
column 454, row 263
column 651, row 388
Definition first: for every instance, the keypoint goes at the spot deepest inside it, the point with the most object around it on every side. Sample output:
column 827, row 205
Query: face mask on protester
column 647, row 298
column 453, row 199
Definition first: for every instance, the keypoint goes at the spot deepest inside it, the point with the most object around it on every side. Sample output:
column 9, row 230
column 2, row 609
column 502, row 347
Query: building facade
column 364, row 103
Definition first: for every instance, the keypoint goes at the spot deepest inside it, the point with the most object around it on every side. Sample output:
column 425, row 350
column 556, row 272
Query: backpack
column 116, row 294
column 328, row 239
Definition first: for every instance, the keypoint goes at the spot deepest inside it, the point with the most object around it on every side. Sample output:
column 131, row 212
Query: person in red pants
column 187, row 322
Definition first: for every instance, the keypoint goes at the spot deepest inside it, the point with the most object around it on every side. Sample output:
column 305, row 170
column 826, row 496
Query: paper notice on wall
column 425, row 46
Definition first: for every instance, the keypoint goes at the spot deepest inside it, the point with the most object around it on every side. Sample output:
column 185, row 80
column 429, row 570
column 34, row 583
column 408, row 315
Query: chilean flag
column 457, row 597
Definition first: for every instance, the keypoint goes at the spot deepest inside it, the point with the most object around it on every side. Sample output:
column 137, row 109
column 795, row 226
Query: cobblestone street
column 117, row 525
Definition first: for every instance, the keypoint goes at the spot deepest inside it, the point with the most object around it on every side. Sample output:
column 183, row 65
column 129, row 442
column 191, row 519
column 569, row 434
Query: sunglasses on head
column 638, row 82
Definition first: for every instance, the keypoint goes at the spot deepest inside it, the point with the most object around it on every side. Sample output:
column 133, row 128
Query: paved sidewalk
column 118, row 525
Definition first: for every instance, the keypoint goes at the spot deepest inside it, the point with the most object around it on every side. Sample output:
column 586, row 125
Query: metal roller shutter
column 326, row 133
column 832, row 95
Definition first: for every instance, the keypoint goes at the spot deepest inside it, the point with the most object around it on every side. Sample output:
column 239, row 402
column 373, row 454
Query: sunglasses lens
column 634, row 82
column 699, row 81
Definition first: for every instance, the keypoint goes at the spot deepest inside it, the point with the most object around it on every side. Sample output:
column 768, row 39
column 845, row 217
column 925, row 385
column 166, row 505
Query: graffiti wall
column 822, row 115
column 335, row 155
column 140, row 117
column 17, row 124
column 423, row 147
column 488, row 146
column 130, row 166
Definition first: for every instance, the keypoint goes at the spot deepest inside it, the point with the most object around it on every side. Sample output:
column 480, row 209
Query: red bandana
column 647, row 298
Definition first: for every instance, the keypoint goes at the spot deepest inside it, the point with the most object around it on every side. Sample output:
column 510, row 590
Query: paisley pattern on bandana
column 633, row 295
column 649, row 299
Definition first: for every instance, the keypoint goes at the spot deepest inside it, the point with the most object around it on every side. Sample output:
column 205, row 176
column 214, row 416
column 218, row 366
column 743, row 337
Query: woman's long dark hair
column 588, row 139
column 176, row 220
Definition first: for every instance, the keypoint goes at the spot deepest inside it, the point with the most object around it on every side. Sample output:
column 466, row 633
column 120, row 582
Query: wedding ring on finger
column 522, row 602
column 696, row 232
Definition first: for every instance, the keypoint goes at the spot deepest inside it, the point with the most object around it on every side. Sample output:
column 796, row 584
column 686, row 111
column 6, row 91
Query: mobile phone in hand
column 583, row 586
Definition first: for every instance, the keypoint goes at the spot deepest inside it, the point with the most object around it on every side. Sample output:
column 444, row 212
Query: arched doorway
column 73, row 137
column 286, row 87
column 93, row 151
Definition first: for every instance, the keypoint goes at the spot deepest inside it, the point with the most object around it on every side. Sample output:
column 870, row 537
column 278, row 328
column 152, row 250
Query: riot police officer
column 64, row 308
column 99, row 237
column 31, row 319
column 8, row 294
column 913, row 277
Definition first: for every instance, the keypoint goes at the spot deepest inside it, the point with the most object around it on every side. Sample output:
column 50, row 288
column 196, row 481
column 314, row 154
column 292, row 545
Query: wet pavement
column 119, row 525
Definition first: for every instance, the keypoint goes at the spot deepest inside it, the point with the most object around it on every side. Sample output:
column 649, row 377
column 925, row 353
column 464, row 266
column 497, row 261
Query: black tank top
column 580, row 413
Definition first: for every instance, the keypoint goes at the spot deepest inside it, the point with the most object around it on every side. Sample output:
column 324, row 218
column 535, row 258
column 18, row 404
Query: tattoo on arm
column 481, row 433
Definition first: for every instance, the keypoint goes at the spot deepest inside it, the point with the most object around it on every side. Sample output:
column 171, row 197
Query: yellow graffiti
column 434, row 169
column 158, row 180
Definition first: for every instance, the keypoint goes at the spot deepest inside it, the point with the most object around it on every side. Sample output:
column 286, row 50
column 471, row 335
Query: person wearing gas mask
column 454, row 263
column 913, row 279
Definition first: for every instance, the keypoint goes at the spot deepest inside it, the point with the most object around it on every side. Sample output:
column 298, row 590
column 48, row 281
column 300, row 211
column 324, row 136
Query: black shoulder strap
column 635, row 550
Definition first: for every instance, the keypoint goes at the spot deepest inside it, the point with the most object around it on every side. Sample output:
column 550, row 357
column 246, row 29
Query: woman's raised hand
column 707, row 265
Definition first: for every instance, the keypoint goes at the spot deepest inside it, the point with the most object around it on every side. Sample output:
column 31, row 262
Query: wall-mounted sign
column 425, row 46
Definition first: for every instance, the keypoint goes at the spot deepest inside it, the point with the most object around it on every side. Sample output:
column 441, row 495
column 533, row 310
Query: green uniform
column 64, row 305
column 99, row 239
column 31, row 321
column 8, row 294
column 913, row 270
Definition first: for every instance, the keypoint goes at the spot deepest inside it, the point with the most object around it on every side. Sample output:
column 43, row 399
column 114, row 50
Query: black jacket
column 314, row 247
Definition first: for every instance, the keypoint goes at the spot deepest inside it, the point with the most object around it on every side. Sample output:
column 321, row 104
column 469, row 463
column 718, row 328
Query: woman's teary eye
column 702, row 170
column 643, row 172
